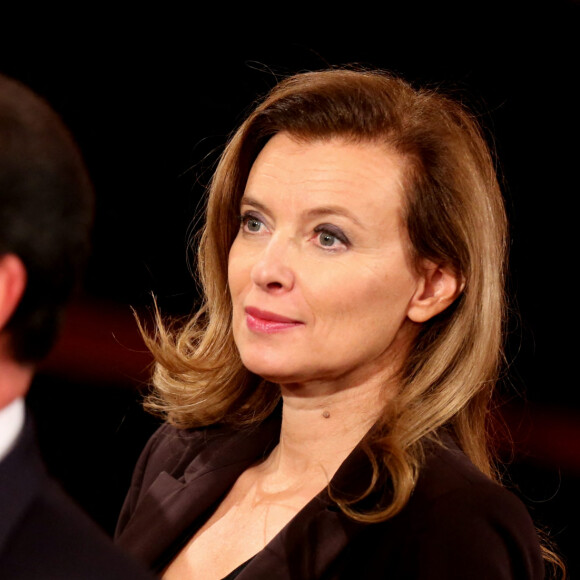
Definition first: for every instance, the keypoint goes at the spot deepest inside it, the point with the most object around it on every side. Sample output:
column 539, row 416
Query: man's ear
column 438, row 287
column 12, row 285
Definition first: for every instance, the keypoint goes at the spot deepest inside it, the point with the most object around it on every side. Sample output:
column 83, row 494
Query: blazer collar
column 172, row 504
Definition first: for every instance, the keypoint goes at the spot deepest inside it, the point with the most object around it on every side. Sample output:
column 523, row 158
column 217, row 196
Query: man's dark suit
column 457, row 525
column 43, row 534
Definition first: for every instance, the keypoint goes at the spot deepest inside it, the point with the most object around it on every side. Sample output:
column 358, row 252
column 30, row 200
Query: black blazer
column 43, row 534
column 457, row 525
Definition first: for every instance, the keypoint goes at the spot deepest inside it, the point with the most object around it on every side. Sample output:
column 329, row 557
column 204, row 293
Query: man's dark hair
column 46, row 212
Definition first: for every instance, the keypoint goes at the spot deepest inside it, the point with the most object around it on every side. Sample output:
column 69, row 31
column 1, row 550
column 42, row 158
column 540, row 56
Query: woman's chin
column 273, row 375
column 274, row 371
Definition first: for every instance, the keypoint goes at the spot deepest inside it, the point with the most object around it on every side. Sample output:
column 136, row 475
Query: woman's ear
column 12, row 285
column 438, row 287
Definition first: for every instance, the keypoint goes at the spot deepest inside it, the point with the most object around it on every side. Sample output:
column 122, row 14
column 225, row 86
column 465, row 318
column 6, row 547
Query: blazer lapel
column 306, row 547
column 171, row 505
column 314, row 539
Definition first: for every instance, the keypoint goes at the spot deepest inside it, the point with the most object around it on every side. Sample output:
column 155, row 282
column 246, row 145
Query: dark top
column 458, row 524
column 43, row 534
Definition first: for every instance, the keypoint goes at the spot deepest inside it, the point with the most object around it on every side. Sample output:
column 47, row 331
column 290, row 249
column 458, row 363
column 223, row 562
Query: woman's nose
column 273, row 271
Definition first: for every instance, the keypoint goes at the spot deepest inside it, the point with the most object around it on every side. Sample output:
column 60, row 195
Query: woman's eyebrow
column 248, row 200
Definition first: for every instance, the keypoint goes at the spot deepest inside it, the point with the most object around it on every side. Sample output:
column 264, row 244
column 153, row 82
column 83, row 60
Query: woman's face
column 319, row 275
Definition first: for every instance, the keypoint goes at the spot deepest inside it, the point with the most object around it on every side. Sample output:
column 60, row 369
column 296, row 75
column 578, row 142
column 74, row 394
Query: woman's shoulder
column 456, row 505
column 458, row 523
column 176, row 450
column 448, row 472
column 172, row 448
column 169, row 450
column 449, row 481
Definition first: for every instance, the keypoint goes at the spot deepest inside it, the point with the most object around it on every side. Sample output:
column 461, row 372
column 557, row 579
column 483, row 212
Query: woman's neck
column 320, row 430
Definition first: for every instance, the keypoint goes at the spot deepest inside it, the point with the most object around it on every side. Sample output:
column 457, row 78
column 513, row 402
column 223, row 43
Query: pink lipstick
column 268, row 322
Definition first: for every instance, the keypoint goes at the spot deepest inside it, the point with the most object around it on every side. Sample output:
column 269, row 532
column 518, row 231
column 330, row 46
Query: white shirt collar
column 11, row 424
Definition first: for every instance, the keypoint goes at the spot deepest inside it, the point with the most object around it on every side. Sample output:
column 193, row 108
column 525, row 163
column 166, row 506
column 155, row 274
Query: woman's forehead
column 333, row 165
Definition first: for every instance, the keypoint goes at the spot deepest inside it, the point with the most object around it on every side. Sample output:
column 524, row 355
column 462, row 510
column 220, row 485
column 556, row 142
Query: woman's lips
column 268, row 322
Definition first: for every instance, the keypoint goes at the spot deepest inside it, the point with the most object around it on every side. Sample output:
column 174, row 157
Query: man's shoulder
column 56, row 539
column 46, row 534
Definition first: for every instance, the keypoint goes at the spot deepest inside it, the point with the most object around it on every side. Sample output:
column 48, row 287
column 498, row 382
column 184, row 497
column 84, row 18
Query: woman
column 326, row 410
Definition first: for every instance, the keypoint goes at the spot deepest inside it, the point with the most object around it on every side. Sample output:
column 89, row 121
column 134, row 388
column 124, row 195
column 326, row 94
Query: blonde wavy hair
column 455, row 216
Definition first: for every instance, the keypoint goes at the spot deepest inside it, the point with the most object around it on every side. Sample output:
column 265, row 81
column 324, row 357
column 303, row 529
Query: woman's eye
column 251, row 223
column 331, row 237
column 326, row 239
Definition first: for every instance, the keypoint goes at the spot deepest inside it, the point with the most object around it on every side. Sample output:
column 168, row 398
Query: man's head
column 46, row 211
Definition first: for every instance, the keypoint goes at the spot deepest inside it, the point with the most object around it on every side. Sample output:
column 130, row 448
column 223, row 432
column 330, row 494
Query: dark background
column 151, row 97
